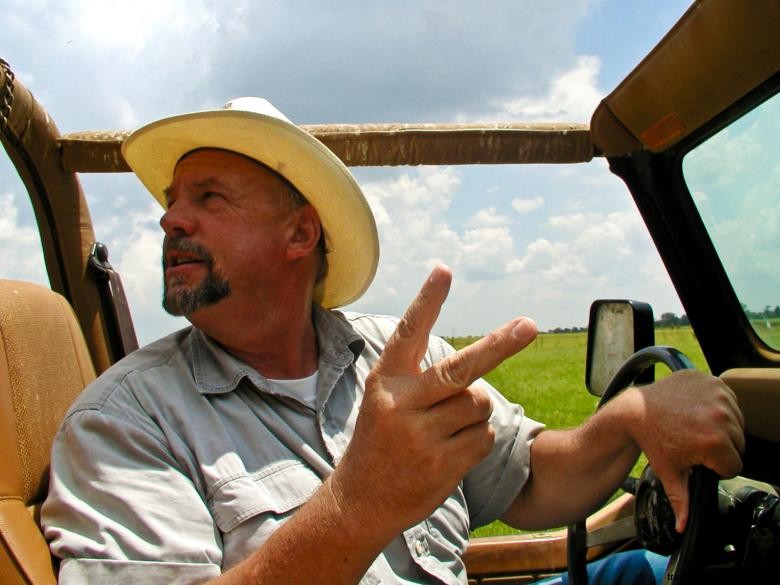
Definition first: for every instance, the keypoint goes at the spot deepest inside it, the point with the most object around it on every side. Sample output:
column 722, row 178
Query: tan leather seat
column 44, row 364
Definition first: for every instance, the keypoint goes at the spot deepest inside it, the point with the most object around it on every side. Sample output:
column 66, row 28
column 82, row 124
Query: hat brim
column 353, row 245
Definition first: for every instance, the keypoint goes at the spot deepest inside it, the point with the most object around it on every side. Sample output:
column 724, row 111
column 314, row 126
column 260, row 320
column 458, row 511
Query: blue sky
column 538, row 240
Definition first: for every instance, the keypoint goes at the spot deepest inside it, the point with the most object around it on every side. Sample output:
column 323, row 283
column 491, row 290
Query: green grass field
column 548, row 379
column 768, row 330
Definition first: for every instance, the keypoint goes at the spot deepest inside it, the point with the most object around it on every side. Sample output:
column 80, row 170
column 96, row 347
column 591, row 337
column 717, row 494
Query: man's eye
column 209, row 195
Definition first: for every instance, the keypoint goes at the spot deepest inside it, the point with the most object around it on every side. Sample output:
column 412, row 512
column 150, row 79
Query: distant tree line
column 568, row 330
column 767, row 313
column 671, row 320
column 666, row 320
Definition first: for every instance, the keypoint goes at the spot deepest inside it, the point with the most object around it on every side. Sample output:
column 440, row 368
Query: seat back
column 44, row 365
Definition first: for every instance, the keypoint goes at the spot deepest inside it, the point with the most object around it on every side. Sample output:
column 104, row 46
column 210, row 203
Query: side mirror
column 616, row 330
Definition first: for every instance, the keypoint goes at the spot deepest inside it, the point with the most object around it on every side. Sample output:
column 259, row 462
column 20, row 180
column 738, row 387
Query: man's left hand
column 686, row 419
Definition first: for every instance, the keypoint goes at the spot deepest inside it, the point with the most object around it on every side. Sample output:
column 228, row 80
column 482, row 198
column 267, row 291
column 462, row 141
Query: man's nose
column 177, row 220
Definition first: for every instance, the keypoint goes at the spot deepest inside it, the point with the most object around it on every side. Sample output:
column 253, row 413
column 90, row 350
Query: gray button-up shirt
column 180, row 461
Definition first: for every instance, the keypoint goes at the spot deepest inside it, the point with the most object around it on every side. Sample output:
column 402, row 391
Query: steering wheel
column 653, row 516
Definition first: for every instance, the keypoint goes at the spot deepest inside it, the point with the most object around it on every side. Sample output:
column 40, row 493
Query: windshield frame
column 659, row 188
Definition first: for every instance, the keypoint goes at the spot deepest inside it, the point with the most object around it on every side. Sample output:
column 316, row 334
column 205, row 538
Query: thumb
column 676, row 487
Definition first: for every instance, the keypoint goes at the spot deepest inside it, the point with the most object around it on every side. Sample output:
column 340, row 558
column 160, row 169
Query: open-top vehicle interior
column 704, row 96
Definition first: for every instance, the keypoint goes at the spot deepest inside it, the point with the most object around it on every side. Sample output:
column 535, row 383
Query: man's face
column 224, row 231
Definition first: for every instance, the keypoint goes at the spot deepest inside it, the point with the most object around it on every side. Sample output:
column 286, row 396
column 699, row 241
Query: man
column 277, row 441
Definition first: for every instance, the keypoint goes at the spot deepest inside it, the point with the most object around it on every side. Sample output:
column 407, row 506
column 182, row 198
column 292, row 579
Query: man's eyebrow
column 209, row 183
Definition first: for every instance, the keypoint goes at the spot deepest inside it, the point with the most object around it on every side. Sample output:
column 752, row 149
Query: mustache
column 182, row 244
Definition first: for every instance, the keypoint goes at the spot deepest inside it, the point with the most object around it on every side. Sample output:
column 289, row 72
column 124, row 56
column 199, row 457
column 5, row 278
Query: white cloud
column 572, row 96
column 486, row 252
column 140, row 246
column 607, row 247
column 126, row 114
column 21, row 258
column 431, row 189
column 745, row 230
column 488, row 217
column 131, row 25
column 410, row 214
column 416, row 233
column 525, row 206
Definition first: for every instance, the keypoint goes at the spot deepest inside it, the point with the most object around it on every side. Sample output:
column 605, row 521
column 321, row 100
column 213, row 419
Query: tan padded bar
column 360, row 145
column 44, row 365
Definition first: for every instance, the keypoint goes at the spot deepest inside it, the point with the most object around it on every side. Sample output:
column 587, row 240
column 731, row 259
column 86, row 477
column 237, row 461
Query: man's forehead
column 211, row 167
column 217, row 157
column 210, row 182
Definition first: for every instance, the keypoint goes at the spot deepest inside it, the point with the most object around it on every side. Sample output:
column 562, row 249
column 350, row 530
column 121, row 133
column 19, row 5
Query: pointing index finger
column 457, row 371
column 406, row 347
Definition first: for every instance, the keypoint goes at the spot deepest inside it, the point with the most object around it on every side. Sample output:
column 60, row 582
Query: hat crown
column 256, row 105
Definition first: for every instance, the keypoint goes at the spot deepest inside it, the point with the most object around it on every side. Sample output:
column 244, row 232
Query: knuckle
column 406, row 328
column 373, row 380
column 453, row 372
column 481, row 401
column 712, row 444
column 494, row 342
column 489, row 440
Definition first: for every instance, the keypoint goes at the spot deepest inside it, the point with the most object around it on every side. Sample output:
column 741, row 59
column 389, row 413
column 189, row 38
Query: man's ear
column 303, row 232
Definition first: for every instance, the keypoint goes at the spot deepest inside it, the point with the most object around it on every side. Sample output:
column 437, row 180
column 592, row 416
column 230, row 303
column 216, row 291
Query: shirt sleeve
column 120, row 509
column 492, row 485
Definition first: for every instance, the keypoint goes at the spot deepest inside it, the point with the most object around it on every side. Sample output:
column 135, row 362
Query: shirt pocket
column 276, row 489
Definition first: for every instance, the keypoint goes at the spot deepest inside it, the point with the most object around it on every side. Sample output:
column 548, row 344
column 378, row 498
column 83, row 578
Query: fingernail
column 439, row 270
column 524, row 329
column 439, row 273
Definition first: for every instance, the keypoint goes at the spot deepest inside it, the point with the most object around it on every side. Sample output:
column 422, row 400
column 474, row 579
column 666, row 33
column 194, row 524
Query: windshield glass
column 734, row 178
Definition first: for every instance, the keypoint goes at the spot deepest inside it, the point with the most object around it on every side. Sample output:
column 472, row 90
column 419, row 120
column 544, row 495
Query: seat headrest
column 44, row 365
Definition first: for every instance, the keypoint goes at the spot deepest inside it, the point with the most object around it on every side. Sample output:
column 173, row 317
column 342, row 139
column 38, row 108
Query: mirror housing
column 616, row 330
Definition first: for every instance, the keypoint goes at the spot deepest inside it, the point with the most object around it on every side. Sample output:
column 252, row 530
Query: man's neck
column 280, row 345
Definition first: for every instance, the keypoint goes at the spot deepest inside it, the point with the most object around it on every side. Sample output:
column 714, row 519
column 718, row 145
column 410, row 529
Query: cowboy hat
column 254, row 128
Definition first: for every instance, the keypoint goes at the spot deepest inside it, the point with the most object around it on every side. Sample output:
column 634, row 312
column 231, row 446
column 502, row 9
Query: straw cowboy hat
column 253, row 127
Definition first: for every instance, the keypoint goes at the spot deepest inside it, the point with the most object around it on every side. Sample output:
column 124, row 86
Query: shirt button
column 421, row 548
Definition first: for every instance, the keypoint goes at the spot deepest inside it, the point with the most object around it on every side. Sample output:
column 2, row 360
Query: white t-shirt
column 301, row 389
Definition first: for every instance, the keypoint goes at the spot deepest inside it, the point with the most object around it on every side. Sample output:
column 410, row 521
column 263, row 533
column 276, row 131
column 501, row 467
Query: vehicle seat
column 44, row 365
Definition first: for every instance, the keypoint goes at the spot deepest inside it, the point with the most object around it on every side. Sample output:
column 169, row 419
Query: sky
column 536, row 240
column 745, row 230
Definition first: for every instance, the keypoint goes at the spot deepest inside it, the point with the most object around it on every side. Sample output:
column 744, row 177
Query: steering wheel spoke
column 618, row 531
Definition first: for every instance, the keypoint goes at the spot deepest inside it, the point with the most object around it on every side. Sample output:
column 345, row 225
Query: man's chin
column 173, row 308
column 184, row 302
column 176, row 297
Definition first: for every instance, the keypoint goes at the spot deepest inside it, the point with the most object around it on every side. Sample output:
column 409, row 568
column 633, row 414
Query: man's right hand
column 419, row 432
column 416, row 436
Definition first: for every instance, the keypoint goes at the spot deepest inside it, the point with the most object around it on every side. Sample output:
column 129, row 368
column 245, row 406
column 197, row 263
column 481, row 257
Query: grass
column 548, row 379
column 768, row 330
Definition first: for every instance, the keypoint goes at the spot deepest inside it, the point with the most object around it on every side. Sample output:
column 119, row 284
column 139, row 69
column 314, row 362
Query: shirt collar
column 217, row 371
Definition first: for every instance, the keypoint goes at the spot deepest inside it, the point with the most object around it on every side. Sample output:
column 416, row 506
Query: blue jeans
column 635, row 567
